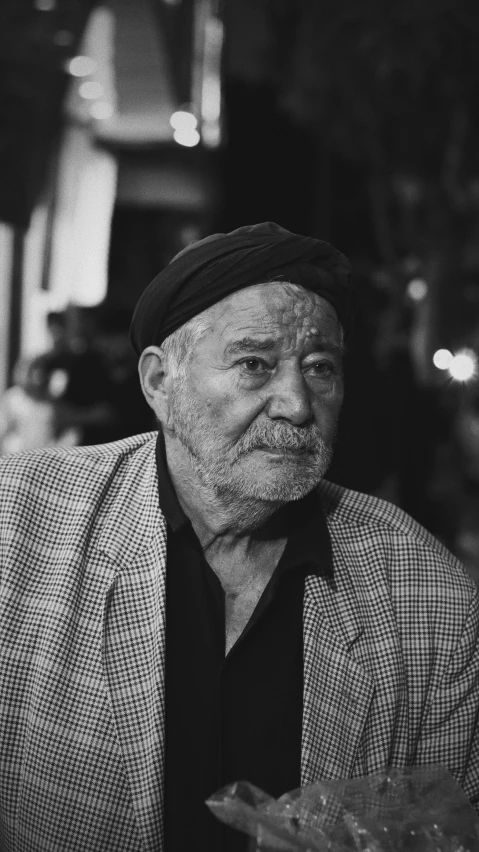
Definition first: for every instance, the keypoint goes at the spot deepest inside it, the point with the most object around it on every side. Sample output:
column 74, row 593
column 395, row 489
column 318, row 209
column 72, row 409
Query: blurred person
column 82, row 388
column 132, row 414
column 59, row 398
column 196, row 606
column 28, row 415
column 79, row 384
column 57, row 328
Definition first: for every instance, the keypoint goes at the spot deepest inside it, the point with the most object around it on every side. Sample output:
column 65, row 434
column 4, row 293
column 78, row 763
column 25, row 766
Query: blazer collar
column 131, row 549
column 131, row 521
column 337, row 692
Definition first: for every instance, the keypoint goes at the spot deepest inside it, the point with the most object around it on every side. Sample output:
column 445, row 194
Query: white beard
column 225, row 477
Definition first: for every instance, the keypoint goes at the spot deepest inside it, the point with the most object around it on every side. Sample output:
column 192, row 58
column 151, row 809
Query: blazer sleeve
column 450, row 733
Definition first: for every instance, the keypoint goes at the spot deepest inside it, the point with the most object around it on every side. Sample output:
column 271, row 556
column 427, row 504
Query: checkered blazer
column 390, row 649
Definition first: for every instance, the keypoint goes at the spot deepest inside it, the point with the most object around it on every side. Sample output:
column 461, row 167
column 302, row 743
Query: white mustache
column 279, row 436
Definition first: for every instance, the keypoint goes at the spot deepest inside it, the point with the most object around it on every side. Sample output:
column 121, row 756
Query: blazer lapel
column 337, row 690
column 134, row 541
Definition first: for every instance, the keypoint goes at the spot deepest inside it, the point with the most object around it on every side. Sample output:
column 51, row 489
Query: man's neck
column 242, row 540
column 229, row 523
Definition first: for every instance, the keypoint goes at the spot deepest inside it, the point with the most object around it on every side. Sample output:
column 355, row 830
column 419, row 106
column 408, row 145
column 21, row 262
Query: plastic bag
column 417, row 809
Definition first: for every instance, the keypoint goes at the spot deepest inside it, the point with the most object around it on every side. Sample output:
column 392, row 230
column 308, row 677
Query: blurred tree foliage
column 392, row 87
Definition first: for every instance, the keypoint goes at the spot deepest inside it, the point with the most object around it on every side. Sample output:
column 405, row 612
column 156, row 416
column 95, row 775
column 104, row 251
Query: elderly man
column 187, row 609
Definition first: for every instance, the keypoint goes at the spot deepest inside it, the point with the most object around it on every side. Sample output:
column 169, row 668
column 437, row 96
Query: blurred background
column 130, row 129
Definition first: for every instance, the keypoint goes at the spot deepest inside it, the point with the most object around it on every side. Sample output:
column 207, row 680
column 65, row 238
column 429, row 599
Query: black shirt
column 237, row 717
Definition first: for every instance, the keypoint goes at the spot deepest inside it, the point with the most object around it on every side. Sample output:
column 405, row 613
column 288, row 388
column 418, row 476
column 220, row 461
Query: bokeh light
column 90, row 90
column 417, row 289
column 189, row 137
column 463, row 365
column 45, row 5
column 81, row 66
column 181, row 120
column 442, row 359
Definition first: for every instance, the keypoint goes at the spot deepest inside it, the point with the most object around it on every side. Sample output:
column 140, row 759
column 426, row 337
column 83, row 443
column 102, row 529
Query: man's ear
column 153, row 371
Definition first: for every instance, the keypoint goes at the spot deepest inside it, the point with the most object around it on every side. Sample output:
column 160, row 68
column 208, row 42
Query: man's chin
column 280, row 494
column 265, row 486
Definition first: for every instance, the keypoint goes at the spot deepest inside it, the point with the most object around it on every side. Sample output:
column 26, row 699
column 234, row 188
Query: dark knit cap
column 219, row 265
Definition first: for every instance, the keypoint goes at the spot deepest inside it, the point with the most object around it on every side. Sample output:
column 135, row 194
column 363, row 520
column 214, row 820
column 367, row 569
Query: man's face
column 255, row 413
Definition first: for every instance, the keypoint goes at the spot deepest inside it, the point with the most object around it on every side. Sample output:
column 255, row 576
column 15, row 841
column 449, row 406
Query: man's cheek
column 230, row 420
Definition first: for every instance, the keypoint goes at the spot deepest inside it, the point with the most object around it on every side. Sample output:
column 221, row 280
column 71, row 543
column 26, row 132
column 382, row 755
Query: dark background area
column 351, row 122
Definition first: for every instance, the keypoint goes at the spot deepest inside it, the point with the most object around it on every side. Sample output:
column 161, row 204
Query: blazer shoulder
column 342, row 505
column 377, row 531
column 64, row 473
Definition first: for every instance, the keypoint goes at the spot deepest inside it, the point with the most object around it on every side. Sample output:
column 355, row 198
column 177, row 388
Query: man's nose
column 290, row 397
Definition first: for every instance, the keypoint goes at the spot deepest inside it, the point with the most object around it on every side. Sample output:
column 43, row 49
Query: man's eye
column 323, row 369
column 253, row 365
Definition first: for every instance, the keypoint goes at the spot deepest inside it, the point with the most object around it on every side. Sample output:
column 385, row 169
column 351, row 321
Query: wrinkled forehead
column 273, row 305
